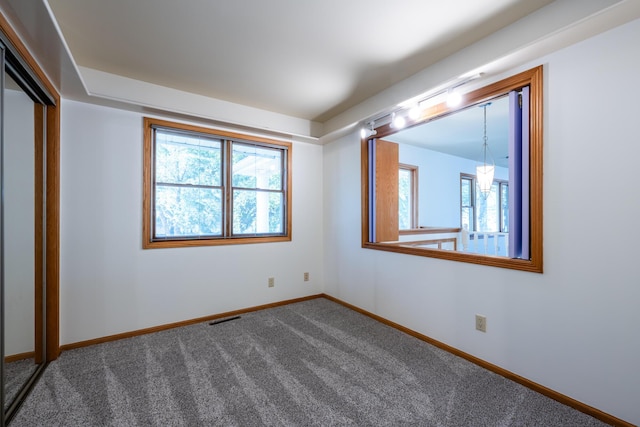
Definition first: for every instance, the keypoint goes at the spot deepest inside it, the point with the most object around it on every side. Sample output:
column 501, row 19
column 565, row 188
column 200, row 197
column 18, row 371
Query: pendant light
column 486, row 165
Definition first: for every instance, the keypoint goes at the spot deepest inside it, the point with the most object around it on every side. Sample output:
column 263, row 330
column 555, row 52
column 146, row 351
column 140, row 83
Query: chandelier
column 486, row 165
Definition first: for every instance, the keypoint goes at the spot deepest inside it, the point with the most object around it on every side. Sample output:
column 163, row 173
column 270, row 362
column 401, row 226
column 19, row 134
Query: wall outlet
column 481, row 323
column 272, row 282
column 306, row 277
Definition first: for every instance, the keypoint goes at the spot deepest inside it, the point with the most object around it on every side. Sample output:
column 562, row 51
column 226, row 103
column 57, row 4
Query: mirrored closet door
column 22, row 230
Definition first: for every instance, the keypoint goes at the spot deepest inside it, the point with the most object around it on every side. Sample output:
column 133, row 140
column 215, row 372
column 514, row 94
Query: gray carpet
column 16, row 374
column 305, row 364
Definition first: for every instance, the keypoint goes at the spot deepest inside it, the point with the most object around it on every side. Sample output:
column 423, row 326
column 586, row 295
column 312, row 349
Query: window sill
column 174, row 243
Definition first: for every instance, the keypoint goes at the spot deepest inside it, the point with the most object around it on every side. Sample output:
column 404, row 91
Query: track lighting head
column 454, row 97
column 398, row 121
column 367, row 132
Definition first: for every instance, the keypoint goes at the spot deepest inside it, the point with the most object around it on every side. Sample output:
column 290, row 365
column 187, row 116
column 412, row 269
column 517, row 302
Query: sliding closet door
column 29, row 221
column 24, row 130
column 22, row 238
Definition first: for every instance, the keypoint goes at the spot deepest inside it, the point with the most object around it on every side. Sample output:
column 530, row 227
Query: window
column 209, row 187
column 443, row 138
column 467, row 202
column 408, row 197
column 488, row 213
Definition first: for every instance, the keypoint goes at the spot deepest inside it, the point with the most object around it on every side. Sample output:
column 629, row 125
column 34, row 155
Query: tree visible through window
column 205, row 187
column 188, row 189
column 480, row 212
column 407, row 197
column 467, row 205
column 258, row 199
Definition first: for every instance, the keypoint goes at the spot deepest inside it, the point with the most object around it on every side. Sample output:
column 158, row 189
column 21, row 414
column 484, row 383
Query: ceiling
column 461, row 134
column 302, row 58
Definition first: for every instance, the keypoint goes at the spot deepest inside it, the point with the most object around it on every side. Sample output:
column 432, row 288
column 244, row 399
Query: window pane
column 504, row 201
column 466, row 192
column 257, row 167
column 466, row 208
column 487, row 212
column 257, row 212
column 191, row 212
column 405, row 199
column 467, row 218
column 187, row 159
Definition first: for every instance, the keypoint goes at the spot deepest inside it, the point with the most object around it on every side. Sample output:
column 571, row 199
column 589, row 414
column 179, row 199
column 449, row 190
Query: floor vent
column 224, row 320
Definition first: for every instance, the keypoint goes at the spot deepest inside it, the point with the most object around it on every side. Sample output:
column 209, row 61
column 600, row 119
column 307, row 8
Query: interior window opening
column 481, row 182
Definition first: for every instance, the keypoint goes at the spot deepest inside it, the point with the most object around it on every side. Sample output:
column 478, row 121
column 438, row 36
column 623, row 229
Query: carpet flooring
column 313, row 363
column 16, row 374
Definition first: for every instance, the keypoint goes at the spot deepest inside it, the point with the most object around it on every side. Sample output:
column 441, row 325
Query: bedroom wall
column 572, row 329
column 109, row 285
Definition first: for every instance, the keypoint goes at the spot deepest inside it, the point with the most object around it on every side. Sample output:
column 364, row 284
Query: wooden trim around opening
column 52, row 301
column 559, row 397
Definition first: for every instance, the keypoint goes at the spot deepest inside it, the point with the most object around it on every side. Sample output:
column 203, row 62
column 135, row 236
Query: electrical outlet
column 481, row 323
column 306, row 277
column 272, row 282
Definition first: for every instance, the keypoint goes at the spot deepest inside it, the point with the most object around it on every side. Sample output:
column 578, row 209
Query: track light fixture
column 397, row 118
column 368, row 132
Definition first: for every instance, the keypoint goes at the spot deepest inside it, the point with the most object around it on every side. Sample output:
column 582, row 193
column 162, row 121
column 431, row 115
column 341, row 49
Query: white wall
column 109, row 285
column 19, row 237
column 574, row 328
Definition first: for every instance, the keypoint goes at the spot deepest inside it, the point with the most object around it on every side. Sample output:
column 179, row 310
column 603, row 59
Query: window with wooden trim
column 446, row 140
column 480, row 212
column 408, row 196
column 210, row 187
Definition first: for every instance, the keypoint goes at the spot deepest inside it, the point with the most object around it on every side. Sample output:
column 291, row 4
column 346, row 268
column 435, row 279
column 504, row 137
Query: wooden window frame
column 227, row 238
column 532, row 78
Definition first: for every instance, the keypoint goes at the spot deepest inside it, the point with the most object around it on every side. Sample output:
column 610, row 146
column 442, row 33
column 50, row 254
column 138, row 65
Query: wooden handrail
column 439, row 242
column 430, row 230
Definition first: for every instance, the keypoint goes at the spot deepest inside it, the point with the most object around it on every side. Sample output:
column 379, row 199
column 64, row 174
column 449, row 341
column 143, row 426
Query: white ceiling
column 461, row 134
column 306, row 70
column 303, row 58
